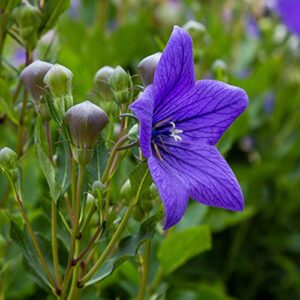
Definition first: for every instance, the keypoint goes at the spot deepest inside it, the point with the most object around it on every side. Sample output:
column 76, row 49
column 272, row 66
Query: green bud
column 134, row 132
column 59, row 80
column 147, row 67
column 85, row 122
column 195, row 29
column 101, row 82
column 28, row 18
column 219, row 69
column 120, row 83
column 8, row 159
column 98, row 186
column 126, row 190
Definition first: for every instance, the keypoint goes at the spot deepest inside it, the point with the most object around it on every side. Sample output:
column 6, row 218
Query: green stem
column 33, row 238
column 114, row 151
column 114, row 238
column 21, row 125
column 54, row 243
column 74, row 230
column 145, row 271
column 88, row 218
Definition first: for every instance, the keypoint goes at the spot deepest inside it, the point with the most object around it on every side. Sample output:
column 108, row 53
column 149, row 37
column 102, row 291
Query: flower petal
column 143, row 109
column 206, row 111
column 202, row 170
column 174, row 195
column 175, row 71
column 289, row 11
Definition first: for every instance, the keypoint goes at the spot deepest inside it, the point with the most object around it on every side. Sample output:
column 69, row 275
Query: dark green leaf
column 31, row 262
column 178, row 247
column 135, row 178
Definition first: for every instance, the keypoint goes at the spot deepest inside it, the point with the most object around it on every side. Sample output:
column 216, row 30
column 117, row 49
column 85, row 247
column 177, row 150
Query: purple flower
column 181, row 120
column 289, row 11
column 251, row 27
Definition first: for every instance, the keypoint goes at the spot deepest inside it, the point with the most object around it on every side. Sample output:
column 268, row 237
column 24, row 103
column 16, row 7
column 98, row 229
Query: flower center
column 175, row 132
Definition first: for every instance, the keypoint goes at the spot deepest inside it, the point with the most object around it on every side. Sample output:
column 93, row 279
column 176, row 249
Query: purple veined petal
column 202, row 170
column 173, row 193
column 143, row 109
column 206, row 111
column 175, row 71
column 289, row 11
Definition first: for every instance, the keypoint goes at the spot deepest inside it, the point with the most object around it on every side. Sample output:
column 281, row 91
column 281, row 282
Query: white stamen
column 175, row 132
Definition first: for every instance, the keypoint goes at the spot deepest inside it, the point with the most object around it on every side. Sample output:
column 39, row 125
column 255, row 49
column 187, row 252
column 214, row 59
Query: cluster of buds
column 115, row 82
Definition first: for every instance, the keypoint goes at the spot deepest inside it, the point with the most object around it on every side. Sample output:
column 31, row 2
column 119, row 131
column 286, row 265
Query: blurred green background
column 254, row 254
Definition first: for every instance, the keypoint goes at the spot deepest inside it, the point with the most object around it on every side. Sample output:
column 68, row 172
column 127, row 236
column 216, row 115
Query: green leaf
column 127, row 248
column 51, row 11
column 135, row 178
column 31, row 262
column 219, row 220
column 46, row 165
column 178, row 247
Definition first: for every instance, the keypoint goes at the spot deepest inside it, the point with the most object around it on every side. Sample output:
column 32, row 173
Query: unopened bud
column 120, row 84
column 28, row 19
column 194, row 28
column 8, row 159
column 147, row 67
column 219, row 69
column 133, row 132
column 101, row 82
column 32, row 77
column 126, row 190
column 59, row 80
column 85, row 122
column 98, row 186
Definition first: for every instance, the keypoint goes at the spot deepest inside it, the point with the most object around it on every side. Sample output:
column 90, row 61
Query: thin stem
column 89, row 245
column 75, row 228
column 88, row 218
column 69, row 208
column 145, row 271
column 114, row 151
column 114, row 238
column 34, row 239
column 49, row 140
column 54, row 243
column 73, row 178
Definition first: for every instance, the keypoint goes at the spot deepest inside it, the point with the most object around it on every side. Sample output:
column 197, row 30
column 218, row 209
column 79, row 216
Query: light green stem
column 54, row 243
column 33, row 237
column 114, row 238
column 145, row 271
column 75, row 230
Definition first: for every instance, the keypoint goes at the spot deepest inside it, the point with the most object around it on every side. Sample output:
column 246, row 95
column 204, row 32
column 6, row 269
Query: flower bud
column 101, row 82
column 8, row 159
column 59, row 80
column 32, row 77
column 120, row 84
column 126, row 190
column 219, row 69
column 28, row 19
column 194, row 28
column 147, row 67
column 85, row 122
